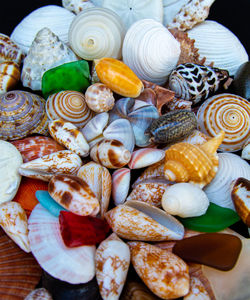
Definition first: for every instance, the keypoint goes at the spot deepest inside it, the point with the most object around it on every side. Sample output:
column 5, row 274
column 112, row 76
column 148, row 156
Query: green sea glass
column 215, row 219
column 74, row 76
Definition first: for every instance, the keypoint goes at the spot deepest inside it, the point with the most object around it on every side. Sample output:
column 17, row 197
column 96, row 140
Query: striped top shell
column 69, row 106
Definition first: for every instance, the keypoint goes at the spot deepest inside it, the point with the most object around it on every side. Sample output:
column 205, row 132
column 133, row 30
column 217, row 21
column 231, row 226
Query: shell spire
column 213, row 144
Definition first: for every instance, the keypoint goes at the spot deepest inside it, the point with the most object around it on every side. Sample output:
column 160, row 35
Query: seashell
column 60, row 162
column 120, row 185
column 137, row 220
column 76, row 6
column 95, row 33
column 164, row 273
column 74, row 194
column 21, row 114
column 20, row 273
column 190, row 14
column 195, row 164
column 67, row 134
column 240, row 83
column 196, row 138
column 99, row 181
column 14, row 222
column 112, row 262
column 9, row 76
column 145, row 157
column 195, row 82
column 171, row 8
column 69, row 106
column 140, row 117
column 227, row 112
column 118, row 77
column 134, row 290
column 150, row 50
column 9, row 50
column 77, row 265
column 130, row 12
column 185, row 200
column 36, row 146
column 197, row 290
column 39, row 294
column 177, row 103
column 110, row 153
column 231, row 167
column 10, row 161
column 99, row 98
column 213, row 39
column 246, row 150
column 47, row 51
column 56, row 18
column 240, row 196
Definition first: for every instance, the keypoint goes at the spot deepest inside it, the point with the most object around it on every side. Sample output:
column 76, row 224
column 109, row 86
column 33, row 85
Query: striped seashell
column 9, row 76
column 69, row 106
column 99, row 97
column 120, row 185
column 9, row 51
column 21, row 114
column 227, row 112
column 142, row 158
column 39, row 294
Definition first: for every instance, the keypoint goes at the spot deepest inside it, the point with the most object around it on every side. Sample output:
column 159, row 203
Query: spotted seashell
column 9, row 76
column 39, row 294
column 9, row 51
column 120, row 185
column 195, row 82
column 21, row 114
column 227, row 112
column 76, row 6
column 99, row 97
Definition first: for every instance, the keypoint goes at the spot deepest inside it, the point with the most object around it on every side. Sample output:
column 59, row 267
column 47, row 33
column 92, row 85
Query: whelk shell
column 9, row 51
column 120, row 185
column 9, row 76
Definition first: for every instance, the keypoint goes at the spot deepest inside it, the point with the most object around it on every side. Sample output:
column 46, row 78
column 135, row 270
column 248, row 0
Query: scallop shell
column 141, row 51
column 77, row 265
column 9, row 76
column 21, row 114
column 213, row 41
column 231, row 166
column 46, row 52
column 120, row 185
column 69, row 106
column 99, row 97
column 142, row 158
column 95, row 33
column 227, row 112
column 9, row 51
column 171, row 8
column 76, row 6
column 39, row 294
column 56, row 18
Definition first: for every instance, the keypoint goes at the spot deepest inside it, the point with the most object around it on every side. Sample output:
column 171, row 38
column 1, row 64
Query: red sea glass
column 82, row 230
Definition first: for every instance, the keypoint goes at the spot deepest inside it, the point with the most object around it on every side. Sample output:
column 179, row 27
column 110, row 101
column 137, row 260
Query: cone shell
column 69, row 106
column 120, row 185
column 77, row 265
column 39, row 294
column 110, row 153
column 9, row 51
column 20, row 273
column 112, row 263
column 9, row 76
column 145, row 157
column 21, row 114
column 136, row 220
column 165, row 274
column 227, row 112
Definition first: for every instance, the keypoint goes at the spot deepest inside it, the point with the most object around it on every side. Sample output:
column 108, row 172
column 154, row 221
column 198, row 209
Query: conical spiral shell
column 227, row 112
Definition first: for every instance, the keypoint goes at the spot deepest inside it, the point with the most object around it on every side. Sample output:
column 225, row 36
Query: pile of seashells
column 156, row 147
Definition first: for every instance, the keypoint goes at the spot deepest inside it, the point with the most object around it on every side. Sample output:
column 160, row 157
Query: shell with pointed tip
column 227, row 112
column 76, row 6
column 120, row 185
column 9, row 76
column 77, row 265
column 135, row 220
column 142, row 158
column 14, row 222
column 95, row 33
column 56, row 18
column 99, row 97
column 231, row 166
column 69, row 106
column 21, row 114
column 246, row 150
column 9, row 51
column 67, row 134
column 10, row 161
column 196, row 164
column 60, row 162
column 164, row 273
column 110, row 153
column 112, row 262
column 150, row 50
column 185, row 200
column 99, row 181
column 39, row 294
column 171, row 8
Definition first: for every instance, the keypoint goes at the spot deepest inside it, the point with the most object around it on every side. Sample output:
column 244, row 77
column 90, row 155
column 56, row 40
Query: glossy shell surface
column 9, row 76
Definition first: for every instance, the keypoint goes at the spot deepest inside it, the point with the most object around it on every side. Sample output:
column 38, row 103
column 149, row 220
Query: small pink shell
column 120, row 185
column 145, row 157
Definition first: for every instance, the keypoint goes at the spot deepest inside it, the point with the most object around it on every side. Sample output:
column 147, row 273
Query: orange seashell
column 118, row 77
column 9, row 76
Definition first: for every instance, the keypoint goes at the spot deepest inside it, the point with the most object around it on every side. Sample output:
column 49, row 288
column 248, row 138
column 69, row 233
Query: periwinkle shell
column 241, row 83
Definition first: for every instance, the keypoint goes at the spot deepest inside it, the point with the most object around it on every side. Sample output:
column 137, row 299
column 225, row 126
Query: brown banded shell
column 9, row 51
column 9, row 76
column 21, row 114
column 69, row 106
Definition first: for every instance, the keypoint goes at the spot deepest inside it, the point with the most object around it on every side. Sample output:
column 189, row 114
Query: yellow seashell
column 118, row 77
column 197, row 164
